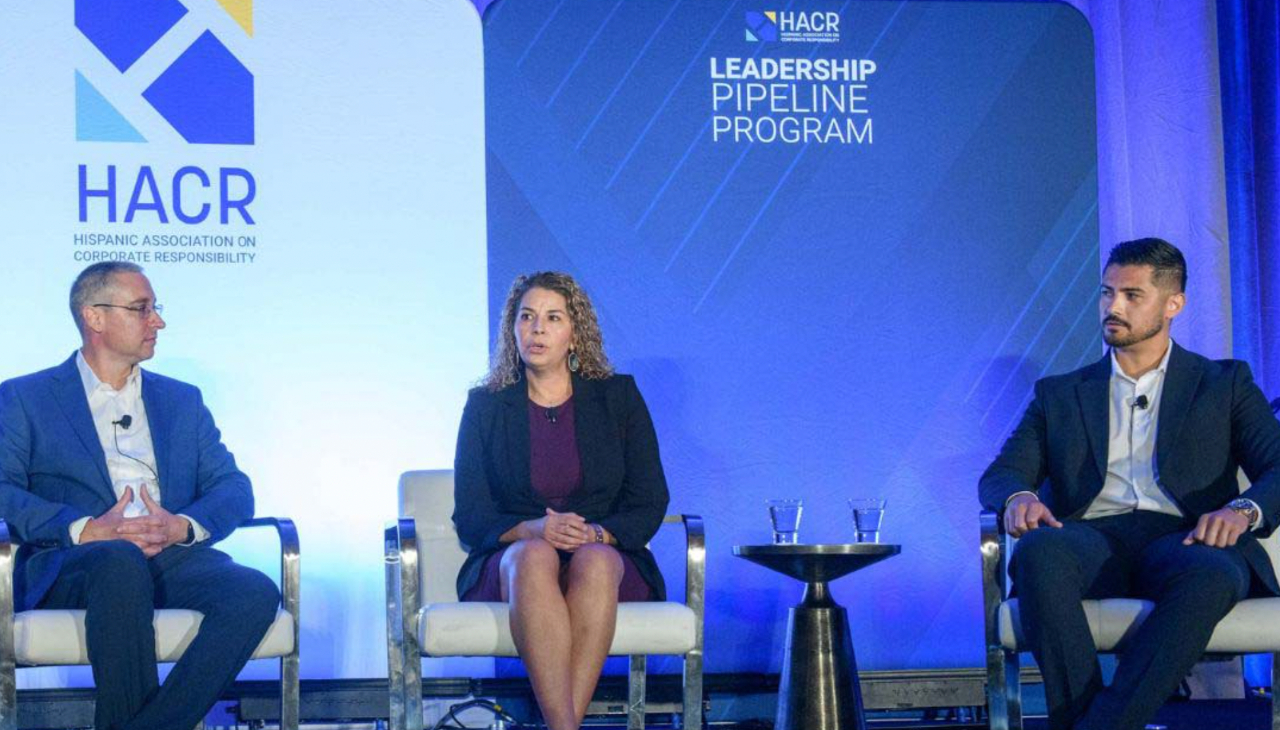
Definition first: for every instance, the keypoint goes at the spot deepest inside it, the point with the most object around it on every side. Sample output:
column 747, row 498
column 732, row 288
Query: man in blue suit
column 116, row 483
column 1121, row 481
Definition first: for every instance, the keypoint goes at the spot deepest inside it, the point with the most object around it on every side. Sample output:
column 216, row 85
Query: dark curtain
column 1248, row 42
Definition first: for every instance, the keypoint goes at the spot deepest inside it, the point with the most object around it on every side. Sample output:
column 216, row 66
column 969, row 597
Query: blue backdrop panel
column 842, row 314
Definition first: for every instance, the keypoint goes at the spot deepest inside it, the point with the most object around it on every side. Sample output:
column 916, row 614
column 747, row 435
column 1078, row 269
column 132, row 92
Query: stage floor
column 1246, row 714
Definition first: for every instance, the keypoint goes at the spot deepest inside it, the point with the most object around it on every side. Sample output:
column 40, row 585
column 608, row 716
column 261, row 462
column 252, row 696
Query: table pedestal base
column 819, row 687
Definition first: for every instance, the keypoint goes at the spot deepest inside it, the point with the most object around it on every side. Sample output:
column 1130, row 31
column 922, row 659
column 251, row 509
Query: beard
column 1130, row 336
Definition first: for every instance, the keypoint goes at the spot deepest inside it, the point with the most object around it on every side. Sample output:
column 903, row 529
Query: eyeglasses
column 144, row 311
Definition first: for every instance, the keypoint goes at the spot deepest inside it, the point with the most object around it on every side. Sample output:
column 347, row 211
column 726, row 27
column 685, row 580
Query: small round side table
column 819, row 688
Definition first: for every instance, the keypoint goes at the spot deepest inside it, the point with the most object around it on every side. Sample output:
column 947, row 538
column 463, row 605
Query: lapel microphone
column 1141, row 402
column 125, row 421
column 552, row 414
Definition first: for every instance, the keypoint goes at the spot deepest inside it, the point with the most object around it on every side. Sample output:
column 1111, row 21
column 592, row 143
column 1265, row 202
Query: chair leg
column 8, row 684
column 997, row 692
column 1013, row 688
column 635, row 693
column 1275, row 703
column 692, row 719
column 413, row 689
column 8, row 694
column 395, row 680
column 290, row 692
column 8, row 657
column 404, row 661
column 1004, row 692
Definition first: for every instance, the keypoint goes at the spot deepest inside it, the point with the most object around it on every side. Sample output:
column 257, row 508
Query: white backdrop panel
column 341, row 354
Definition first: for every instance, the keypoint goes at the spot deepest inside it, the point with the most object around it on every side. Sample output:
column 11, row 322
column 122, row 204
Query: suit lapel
column 1093, row 393
column 160, row 423
column 516, row 417
column 590, row 426
column 68, row 391
column 1180, row 382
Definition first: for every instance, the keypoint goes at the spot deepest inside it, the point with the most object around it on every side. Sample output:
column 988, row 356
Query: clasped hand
column 151, row 533
column 564, row 530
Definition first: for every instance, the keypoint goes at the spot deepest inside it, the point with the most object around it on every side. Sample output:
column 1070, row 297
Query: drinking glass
column 868, row 514
column 785, row 516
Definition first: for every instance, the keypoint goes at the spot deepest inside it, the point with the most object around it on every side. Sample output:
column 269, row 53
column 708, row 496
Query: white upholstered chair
column 1252, row 627
column 425, row 619
column 57, row 638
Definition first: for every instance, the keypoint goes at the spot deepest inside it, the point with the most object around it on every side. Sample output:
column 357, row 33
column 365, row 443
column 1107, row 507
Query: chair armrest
column 290, row 566
column 8, row 650
column 992, row 546
column 8, row 551
column 695, row 571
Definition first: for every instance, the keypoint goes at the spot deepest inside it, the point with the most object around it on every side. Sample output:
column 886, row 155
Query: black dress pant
column 1138, row 555
column 118, row 588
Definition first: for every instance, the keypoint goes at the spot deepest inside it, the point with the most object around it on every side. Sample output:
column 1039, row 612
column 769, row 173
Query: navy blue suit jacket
column 623, row 485
column 1213, row 420
column 53, row 470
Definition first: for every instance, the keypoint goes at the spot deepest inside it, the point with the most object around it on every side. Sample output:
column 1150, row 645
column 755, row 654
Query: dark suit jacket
column 623, row 486
column 1213, row 419
column 53, row 470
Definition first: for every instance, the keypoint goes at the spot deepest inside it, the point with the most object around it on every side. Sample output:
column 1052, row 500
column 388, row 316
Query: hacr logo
column 792, row 27
column 203, row 92
column 762, row 25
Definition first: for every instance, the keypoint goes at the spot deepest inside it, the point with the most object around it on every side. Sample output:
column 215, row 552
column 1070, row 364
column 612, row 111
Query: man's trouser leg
column 239, row 605
column 1054, row 569
column 1193, row 587
column 111, row 582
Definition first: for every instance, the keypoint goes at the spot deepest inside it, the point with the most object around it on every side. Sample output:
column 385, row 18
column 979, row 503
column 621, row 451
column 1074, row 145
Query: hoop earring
column 574, row 363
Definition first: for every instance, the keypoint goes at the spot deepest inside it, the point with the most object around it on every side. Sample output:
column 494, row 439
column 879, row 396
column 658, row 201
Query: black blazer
column 1213, row 419
column 623, row 486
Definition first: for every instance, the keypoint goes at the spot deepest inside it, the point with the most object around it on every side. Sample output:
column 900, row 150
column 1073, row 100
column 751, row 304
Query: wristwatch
column 1247, row 508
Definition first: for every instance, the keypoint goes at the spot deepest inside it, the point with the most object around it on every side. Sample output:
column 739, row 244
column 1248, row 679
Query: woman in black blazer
column 558, row 488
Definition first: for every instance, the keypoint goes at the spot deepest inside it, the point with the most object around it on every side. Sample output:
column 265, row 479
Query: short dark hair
column 92, row 281
column 1170, row 268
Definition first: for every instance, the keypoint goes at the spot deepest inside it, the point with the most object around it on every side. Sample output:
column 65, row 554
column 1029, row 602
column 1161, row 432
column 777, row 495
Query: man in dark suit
column 1121, row 480
column 115, row 482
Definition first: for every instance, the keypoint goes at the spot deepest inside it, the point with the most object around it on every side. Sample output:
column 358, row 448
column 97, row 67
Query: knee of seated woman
column 535, row 551
column 596, row 559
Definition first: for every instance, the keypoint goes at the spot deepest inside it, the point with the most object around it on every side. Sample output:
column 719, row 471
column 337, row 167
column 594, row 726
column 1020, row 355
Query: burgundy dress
column 556, row 473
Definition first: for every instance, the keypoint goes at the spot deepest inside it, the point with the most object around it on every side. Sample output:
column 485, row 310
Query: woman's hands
column 564, row 530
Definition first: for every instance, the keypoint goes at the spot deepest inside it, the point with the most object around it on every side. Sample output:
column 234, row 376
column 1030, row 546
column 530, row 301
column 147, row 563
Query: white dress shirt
column 131, row 458
column 1133, row 479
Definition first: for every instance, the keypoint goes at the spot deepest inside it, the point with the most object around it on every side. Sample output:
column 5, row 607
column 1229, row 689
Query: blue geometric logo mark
column 123, row 30
column 762, row 25
column 97, row 120
column 207, row 95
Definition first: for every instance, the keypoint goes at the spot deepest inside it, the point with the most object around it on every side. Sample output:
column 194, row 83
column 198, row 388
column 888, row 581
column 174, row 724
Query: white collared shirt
column 1132, row 481
column 130, row 454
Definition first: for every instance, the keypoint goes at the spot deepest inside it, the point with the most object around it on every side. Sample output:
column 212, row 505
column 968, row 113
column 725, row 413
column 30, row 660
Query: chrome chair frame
column 1004, row 690
column 404, row 655
column 290, row 591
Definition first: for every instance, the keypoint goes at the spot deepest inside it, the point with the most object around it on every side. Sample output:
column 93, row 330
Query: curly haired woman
column 558, row 488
